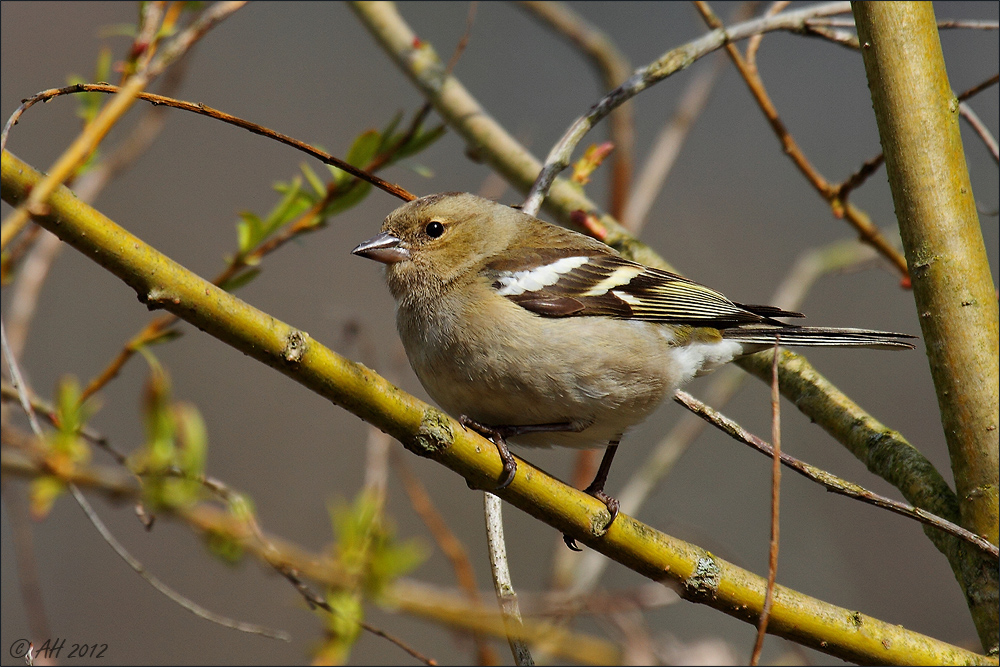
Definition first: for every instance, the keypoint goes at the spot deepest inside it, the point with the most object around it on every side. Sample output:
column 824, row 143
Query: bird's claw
column 495, row 436
column 613, row 508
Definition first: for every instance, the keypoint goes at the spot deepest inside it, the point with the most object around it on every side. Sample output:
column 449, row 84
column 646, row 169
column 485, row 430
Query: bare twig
column 832, row 482
column 669, row 63
column 24, row 296
column 941, row 24
column 205, row 110
column 306, row 222
column 506, row 596
column 772, row 559
column 842, row 37
column 316, row 602
column 18, row 383
column 155, row 582
column 980, row 128
column 404, row 595
column 613, row 67
column 463, row 41
column 668, row 145
column 866, row 229
column 978, row 88
column 855, row 180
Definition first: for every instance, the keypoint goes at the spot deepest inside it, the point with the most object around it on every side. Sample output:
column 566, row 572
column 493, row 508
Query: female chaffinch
column 534, row 333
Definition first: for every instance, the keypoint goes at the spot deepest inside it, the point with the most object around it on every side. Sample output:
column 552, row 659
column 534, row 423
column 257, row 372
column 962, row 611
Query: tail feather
column 818, row 337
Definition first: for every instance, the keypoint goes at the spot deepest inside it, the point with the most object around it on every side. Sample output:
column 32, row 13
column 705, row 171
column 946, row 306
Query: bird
column 535, row 334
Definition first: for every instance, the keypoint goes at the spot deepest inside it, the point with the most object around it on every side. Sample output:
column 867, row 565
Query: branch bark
column 917, row 116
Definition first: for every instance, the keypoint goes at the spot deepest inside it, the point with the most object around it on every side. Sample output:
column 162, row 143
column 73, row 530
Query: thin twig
column 942, row 24
column 978, row 88
column 668, row 64
column 506, row 596
column 980, row 128
column 867, row 231
column 842, row 37
column 306, row 222
column 463, row 41
column 153, row 581
column 23, row 299
column 48, row 412
column 614, row 68
column 20, row 524
column 18, row 383
column 205, row 110
column 667, row 147
column 433, row 603
column 316, row 602
column 832, row 482
column 772, row 558
column 855, row 180
column 753, row 44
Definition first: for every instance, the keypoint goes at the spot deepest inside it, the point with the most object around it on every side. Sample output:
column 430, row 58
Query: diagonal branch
column 697, row 574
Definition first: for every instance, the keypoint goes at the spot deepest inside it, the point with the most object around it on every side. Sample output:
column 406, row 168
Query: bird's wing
column 562, row 283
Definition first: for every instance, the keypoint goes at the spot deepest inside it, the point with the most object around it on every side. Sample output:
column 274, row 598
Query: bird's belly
column 509, row 375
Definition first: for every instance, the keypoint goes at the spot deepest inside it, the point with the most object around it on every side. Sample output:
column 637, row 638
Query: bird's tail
column 818, row 337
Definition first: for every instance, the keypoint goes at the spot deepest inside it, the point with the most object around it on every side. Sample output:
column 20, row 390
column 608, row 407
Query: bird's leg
column 596, row 489
column 498, row 436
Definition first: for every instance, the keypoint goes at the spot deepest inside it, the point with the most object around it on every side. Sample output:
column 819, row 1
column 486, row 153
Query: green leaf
column 389, row 136
column 350, row 198
column 71, row 417
column 364, row 148
column 314, row 180
column 241, row 507
column 343, row 627
column 244, row 236
column 367, row 547
column 160, row 451
column 190, row 452
column 225, row 547
column 422, row 170
column 291, row 205
column 249, row 231
column 193, row 439
column 420, row 141
column 172, row 462
column 43, row 495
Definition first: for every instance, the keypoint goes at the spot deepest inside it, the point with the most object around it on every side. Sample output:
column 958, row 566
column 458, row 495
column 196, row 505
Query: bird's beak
column 384, row 248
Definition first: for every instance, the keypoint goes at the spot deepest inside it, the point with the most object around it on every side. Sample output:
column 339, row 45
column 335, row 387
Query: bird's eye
column 434, row 229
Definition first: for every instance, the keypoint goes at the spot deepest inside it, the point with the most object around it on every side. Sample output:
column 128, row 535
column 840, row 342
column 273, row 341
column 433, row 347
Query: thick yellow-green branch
column 917, row 116
column 697, row 574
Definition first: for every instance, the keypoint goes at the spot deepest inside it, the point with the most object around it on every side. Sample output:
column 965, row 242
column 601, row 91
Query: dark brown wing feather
column 612, row 286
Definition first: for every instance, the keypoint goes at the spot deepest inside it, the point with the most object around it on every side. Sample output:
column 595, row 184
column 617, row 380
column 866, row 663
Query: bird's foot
column 498, row 436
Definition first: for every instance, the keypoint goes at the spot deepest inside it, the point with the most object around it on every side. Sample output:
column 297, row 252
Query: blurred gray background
column 734, row 214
